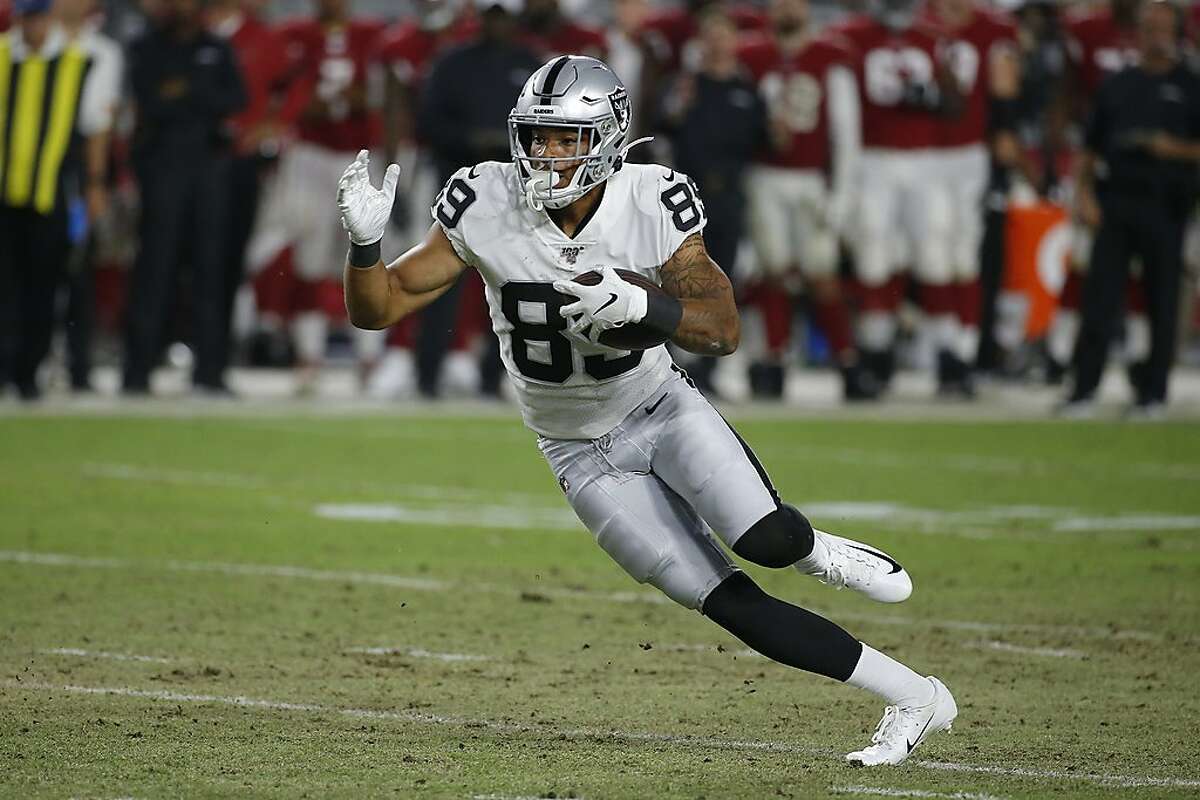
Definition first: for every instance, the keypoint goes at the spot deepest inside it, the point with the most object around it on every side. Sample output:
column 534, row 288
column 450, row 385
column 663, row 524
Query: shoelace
column 835, row 574
column 888, row 727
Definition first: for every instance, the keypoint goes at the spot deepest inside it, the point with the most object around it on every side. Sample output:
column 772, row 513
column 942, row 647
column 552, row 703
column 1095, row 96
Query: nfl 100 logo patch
column 571, row 254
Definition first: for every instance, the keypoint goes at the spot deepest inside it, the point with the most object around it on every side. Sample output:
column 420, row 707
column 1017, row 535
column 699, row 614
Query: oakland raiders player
column 648, row 465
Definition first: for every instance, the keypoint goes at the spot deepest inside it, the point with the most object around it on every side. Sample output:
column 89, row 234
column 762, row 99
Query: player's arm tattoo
column 709, row 325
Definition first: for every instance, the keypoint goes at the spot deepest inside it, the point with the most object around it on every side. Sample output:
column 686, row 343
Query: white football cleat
column 902, row 729
column 842, row 563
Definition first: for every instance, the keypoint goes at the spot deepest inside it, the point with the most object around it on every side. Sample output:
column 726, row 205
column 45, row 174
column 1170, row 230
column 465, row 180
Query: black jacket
column 1130, row 106
column 185, row 92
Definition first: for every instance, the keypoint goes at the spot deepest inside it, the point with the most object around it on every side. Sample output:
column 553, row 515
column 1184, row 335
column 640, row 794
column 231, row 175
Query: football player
column 904, row 216
column 648, row 465
column 328, row 101
column 979, row 46
column 801, row 190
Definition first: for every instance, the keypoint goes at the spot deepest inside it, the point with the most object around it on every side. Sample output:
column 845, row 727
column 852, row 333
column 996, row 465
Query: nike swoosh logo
column 653, row 408
column 912, row 744
column 895, row 567
column 612, row 298
column 472, row 174
column 671, row 176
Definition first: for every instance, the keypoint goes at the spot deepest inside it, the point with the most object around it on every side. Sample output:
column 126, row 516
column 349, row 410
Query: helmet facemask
column 594, row 160
column 578, row 94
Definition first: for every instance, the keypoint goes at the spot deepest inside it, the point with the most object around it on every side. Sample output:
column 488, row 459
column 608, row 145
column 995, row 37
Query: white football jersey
column 646, row 213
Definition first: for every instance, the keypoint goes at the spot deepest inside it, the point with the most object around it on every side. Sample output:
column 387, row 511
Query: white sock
column 891, row 680
column 1060, row 341
column 967, row 343
column 876, row 330
column 310, row 330
column 942, row 330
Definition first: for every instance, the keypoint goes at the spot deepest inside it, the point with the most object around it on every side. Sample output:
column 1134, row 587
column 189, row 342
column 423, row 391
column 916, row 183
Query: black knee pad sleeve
column 779, row 539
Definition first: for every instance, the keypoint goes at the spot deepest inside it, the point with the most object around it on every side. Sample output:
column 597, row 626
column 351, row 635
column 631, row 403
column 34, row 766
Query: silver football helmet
column 579, row 93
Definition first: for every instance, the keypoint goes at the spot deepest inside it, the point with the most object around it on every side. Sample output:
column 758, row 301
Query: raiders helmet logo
column 564, row 484
column 571, row 254
column 619, row 99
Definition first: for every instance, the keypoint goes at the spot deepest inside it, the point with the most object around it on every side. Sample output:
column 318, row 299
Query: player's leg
column 656, row 537
column 310, row 253
column 819, row 264
column 1064, row 327
column 771, row 231
column 917, row 707
column 929, row 221
column 875, row 242
column 702, row 459
column 970, row 185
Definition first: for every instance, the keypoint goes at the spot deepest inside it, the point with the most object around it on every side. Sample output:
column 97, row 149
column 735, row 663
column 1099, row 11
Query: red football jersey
column 567, row 38
column 264, row 66
column 967, row 52
column 677, row 26
column 793, row 87
column 406, row 50
column 887, row 64
column 330, row 63
column 1099, row 47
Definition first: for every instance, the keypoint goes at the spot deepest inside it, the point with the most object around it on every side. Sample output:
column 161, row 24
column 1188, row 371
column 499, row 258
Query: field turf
column 403, row 607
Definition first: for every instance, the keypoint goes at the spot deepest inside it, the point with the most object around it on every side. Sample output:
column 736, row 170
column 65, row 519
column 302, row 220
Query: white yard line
column 883, row 791
column 1129, row 522
column 74, row 651
column 131, row 472
column 152, row 474
column 990, row 465
column 1049, row 652
column 253, row 570
column 544, row 511
column 414, row 652
column 704, row 742
column 522, row 518
column 431, row 584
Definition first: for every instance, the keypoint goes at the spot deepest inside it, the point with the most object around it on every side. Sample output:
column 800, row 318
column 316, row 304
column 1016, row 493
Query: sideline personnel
column 50, row 102
column 186, row 84
column 1138, row 184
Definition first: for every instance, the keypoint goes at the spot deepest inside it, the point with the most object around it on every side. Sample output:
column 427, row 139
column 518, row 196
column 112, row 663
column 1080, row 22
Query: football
column 634, row 336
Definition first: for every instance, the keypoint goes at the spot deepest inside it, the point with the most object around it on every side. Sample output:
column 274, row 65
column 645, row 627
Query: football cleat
column 842, row 563
column 903, row 728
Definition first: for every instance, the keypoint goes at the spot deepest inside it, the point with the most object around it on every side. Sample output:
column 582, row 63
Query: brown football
column 634, row 336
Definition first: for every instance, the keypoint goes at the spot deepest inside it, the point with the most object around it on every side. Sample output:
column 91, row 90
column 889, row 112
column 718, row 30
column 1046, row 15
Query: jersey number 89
column 540, row 349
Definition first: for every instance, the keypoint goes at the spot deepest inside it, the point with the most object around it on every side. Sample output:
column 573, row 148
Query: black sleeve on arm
column 663, row 312
column 364, row 256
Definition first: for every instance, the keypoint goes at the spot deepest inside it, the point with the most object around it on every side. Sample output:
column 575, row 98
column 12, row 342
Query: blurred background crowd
column 984, row 191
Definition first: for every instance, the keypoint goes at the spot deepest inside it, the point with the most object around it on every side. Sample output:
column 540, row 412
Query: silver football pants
column 660, row 488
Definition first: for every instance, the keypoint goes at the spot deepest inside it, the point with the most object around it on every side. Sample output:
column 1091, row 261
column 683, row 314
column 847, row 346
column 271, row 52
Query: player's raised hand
column 611, row 303
column 365, row 209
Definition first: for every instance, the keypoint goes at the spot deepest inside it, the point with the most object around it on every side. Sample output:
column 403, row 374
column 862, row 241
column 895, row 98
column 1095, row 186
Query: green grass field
column 403, row 607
